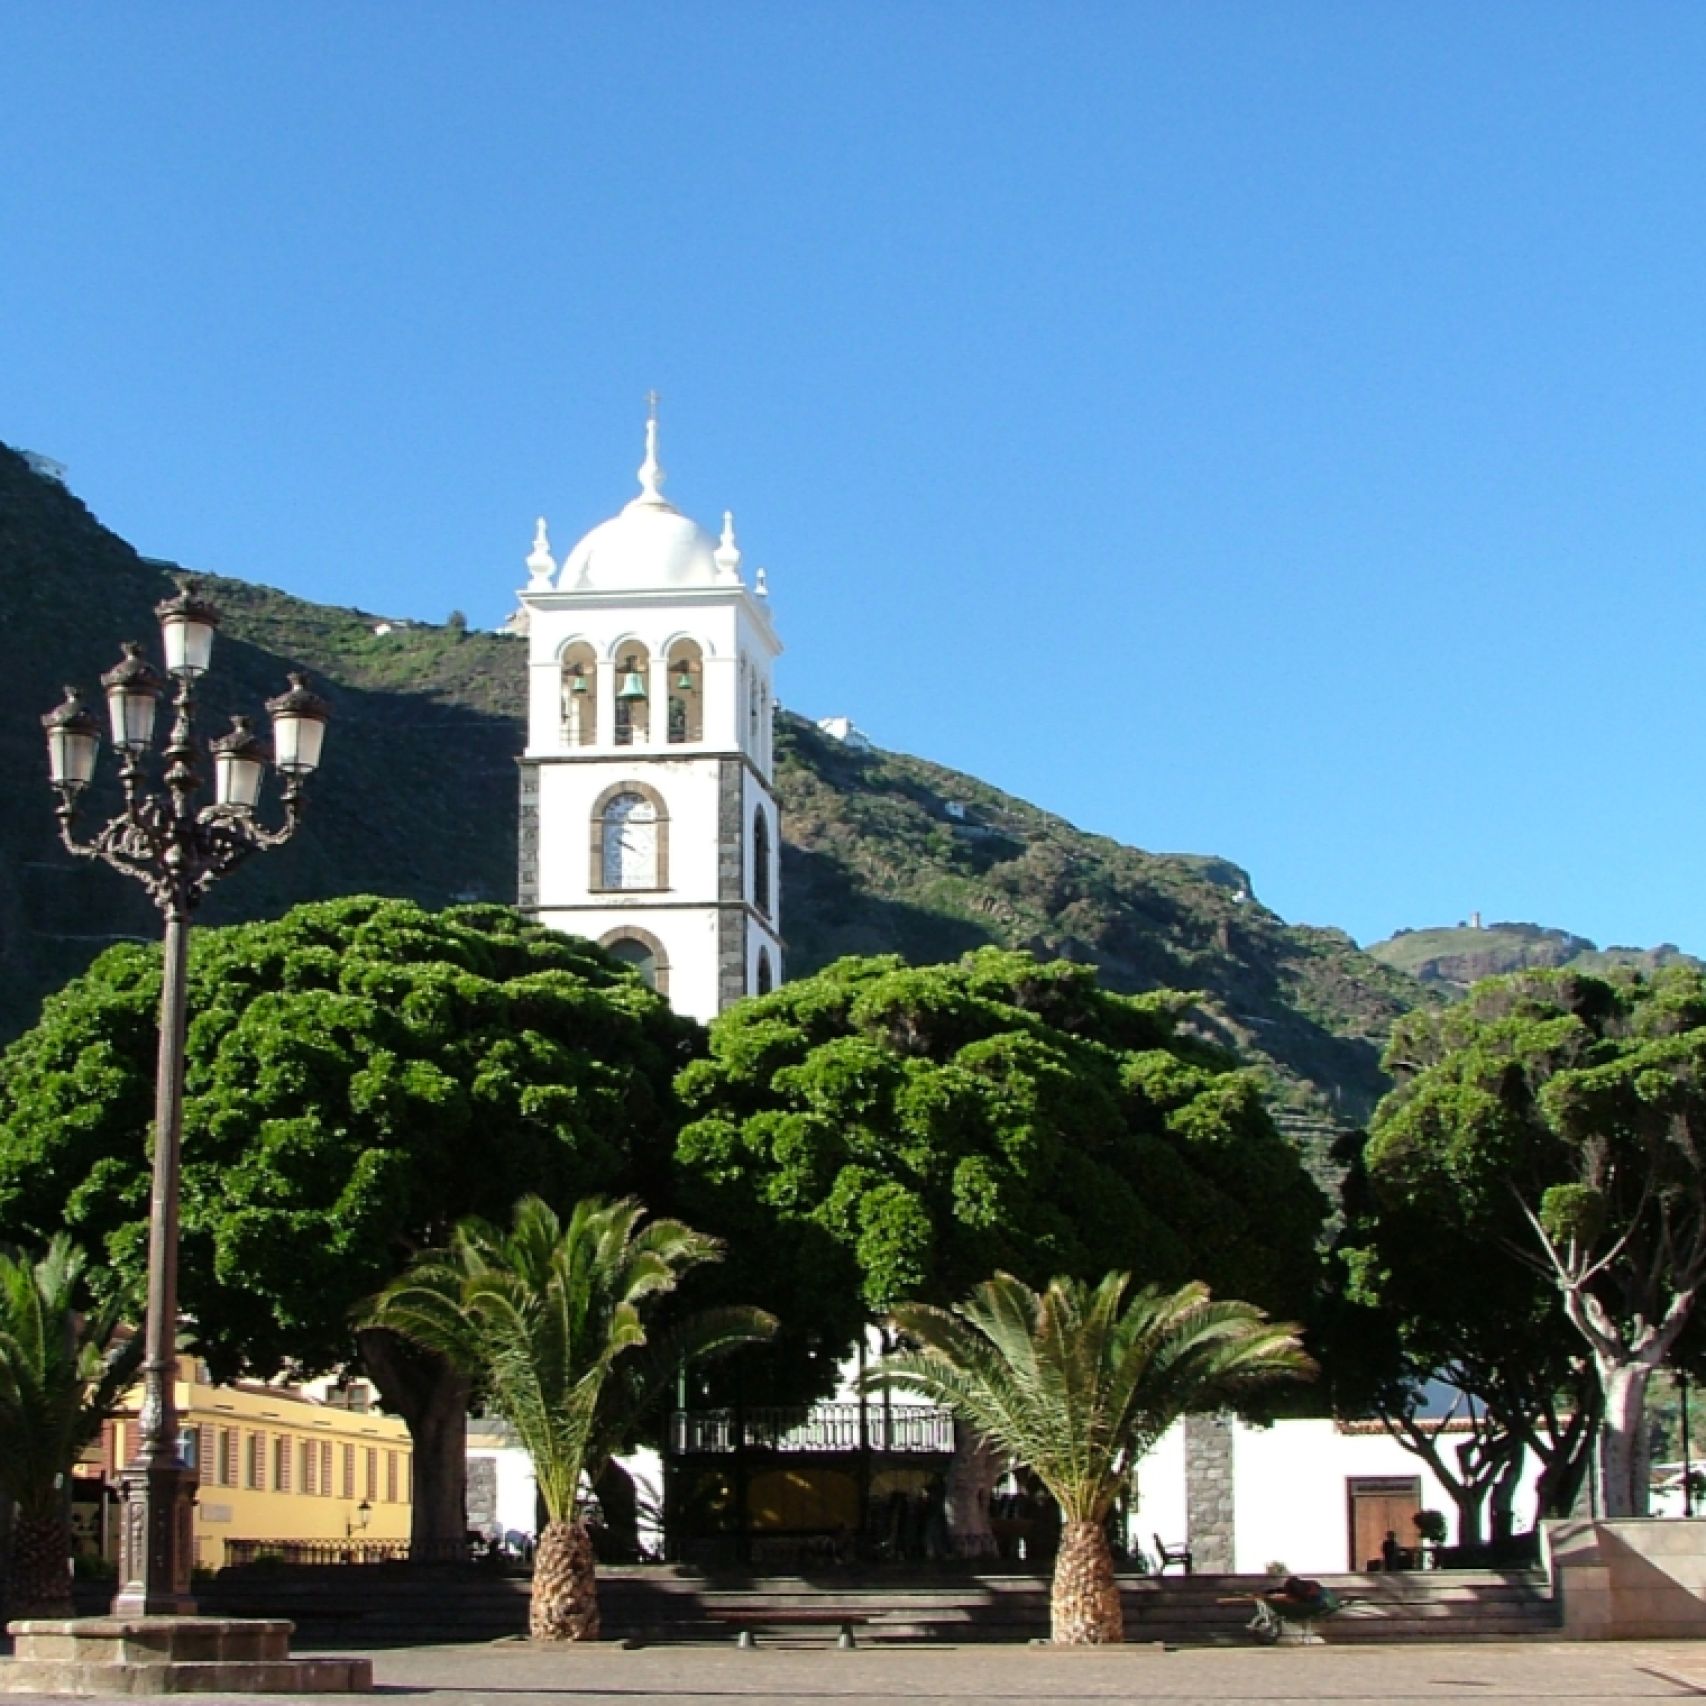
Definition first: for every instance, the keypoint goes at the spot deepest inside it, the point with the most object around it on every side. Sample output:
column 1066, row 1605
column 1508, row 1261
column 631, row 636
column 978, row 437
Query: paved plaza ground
column 1527, row 1674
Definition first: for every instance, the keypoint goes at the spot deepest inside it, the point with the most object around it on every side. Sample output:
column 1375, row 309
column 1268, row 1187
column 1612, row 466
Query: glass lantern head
column 187, row 622
column 133, row 690
column 298, row 727
column 73, row 736
column 239, row 763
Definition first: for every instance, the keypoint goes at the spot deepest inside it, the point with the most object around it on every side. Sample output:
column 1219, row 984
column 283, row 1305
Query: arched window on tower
column 633, row 696
column 641, row 950
column 753, row 692
column 686, row 693
column 761, row 862
column 580, row 695
column 766, row 980
column 629, row 843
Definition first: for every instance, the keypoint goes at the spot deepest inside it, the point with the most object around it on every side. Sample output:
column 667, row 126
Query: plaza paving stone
column 1525, row 1674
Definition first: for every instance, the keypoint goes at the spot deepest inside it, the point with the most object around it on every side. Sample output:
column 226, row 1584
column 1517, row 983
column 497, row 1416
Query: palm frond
column 1078, row 1381
column 542, row 1313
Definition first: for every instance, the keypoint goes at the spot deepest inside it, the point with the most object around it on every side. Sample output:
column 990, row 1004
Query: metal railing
column 816, row 1427
column 296, row 1553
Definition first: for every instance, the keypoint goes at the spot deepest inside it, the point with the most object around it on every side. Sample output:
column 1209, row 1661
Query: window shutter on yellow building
column 204, row 1456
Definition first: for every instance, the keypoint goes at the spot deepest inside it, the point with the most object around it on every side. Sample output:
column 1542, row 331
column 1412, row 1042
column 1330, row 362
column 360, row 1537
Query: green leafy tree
column 1559, row 1118
column 1077, row 1383
column 362, row 1074
column 543, row 1316
column 880, row 1132
column 1412, row 1301
column 63, row 1371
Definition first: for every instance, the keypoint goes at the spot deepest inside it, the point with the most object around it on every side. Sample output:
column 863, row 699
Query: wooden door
column 1378, row 1505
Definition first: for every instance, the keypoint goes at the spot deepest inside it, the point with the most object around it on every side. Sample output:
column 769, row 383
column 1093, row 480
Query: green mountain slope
column 1450, row 960
column 882, row 853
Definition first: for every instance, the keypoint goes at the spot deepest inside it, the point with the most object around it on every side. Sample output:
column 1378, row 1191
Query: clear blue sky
column 1271, row 430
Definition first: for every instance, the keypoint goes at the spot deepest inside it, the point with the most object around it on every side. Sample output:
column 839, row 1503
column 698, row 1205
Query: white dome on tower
column 649, row 543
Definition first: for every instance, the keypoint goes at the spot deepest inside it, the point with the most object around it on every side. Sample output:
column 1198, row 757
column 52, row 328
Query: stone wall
column 1210, row 1497
column 1629, row 1578
column 482, row 1496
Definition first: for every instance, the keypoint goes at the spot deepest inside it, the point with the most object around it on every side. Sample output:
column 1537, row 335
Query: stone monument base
column 170, row 1655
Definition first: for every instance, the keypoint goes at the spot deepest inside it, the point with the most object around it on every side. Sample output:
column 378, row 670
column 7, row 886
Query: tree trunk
column 565, row 1585
column 971, row 1482
column 1085, row 1605
column 1623, row 1438
column 1503, row 1503
column 41, row 1565
column 1469, row 1500
column 432, row 1398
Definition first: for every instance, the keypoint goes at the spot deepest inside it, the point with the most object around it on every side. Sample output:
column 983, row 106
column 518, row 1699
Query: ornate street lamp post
column 177, row 852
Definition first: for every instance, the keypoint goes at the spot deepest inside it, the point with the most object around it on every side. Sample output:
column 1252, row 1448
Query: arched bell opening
column 580, row 695
column 633, row 696
column 686, row 693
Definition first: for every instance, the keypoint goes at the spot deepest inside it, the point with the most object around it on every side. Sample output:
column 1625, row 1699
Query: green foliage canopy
column 362, row 1074
column 881, row 1132
column 1560, row 1118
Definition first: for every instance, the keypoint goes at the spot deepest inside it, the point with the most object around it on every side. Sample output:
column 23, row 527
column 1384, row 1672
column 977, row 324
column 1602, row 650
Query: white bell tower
column 648, row 819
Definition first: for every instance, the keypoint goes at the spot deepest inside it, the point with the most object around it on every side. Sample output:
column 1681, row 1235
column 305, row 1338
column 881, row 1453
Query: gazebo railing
column 920, row 1428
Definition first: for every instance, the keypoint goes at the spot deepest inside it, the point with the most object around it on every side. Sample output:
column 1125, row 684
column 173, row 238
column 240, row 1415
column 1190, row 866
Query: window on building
column 255, row 1462
column 310, row 1467
column 372, row 1468
column 631, row 951
column 391, row 1477
column 204, row 1463
column 629, row 843
column 766, row 977
column 761, row 861
column 326, row 1468
column 281, row 1463
column 349, row 1471
column 228, row 1457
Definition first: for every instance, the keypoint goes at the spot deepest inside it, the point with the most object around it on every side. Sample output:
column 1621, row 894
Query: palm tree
column 61, row 1376
column 1077, row 1383
column 544, row 1316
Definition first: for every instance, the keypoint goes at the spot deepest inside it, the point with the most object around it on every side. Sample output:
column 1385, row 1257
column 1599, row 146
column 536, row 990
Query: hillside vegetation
column 882, row 853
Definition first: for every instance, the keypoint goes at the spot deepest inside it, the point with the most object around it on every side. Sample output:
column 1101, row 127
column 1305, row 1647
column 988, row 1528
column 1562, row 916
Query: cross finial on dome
column 727, row 554
column 651, row 470
column 541, row 565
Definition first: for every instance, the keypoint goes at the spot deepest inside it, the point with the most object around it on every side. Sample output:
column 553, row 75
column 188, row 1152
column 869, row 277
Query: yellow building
column 274, row 1464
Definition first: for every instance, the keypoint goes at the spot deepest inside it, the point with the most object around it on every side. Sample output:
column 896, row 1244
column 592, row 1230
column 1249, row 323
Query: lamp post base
column 156, row 1541
column 170, row 1655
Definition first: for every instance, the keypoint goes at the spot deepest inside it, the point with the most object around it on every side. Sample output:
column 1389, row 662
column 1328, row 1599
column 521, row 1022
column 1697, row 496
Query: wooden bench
column 784, row 1617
